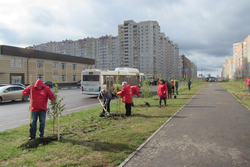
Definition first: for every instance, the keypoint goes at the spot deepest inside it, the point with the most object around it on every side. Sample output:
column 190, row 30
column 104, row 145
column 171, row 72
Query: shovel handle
column 102, row 105
column 30, row 98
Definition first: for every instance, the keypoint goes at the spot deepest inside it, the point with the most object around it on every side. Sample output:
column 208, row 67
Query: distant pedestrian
column 126, row 94
column 248, row 83
column 176, row 84
column 40, row 95
column 135, row 91
column 172, row 85
column 189, row 84
column 162, row 92
column 169, row 90
column 106, row 96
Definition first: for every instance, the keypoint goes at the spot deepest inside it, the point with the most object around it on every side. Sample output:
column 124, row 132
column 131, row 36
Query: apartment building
column 143, row 46
column 104, row 50
column 188, row 69
column 17, row 64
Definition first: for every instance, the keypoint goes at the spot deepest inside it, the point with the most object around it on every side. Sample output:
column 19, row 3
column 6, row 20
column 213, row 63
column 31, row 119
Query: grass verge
column 239, row 92
column 90, row 140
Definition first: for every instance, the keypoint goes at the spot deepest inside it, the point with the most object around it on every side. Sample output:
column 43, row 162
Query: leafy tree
column 55, row 107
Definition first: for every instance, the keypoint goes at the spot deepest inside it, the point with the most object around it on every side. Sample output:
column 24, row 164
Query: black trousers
column 189, row 87
column 128, row 109
column 107, row 107
column 164, row 99
column 173, row 89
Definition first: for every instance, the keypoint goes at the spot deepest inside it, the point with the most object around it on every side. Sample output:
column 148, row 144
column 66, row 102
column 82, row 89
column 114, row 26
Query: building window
column 55, row 78
column 20, row 62
column 40, row 64
column 63, row 78
column 40, row 76
column 63, row 66
column 74, row 79
column 13, row 62
column 55, row 65
column 74, row 67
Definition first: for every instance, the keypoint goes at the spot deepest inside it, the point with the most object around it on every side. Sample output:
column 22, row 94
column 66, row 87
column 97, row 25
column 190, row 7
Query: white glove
column 140, row 97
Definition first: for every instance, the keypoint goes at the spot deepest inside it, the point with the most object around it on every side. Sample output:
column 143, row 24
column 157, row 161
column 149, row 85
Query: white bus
column 93, row 80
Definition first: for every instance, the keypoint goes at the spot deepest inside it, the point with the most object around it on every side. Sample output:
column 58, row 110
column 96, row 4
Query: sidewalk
column 213, row 129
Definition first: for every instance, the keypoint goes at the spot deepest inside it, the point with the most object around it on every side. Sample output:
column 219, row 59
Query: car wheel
column 1, row 99
column 25, row 98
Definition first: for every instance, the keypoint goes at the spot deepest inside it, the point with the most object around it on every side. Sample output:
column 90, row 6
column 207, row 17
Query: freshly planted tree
column 118, row 98
column 55, row 108
column 145, row 88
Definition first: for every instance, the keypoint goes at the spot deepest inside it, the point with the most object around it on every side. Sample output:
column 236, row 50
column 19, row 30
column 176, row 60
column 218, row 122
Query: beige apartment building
column 17, row 64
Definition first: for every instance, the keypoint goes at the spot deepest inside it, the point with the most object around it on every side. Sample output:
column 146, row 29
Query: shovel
column 102, row 106
column 30, row 106
column 146, row 103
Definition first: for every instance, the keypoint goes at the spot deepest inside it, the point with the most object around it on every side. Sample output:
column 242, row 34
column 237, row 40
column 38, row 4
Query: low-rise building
column 17, row 64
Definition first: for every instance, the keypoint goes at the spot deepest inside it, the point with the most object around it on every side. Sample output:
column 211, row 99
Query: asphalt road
column 213, row 129
column 14, row 114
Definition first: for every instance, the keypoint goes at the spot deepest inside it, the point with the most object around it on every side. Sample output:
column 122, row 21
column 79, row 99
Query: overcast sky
column 205, row 30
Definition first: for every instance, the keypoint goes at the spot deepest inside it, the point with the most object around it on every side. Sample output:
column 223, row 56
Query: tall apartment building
column 139, row 43
column 104, row 50
column 143, row 46
column 188, row 69
column 238, row 66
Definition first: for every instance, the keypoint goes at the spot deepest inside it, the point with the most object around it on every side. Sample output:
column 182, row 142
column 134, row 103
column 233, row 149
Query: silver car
column 12, row 92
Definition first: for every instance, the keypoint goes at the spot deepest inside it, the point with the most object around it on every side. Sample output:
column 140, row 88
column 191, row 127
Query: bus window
column 90, row 77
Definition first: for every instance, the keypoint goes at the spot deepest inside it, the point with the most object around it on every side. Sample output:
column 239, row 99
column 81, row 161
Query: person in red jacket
column 248, row 83
column 162, row 92
column 126, row 94
column 40, row 95
column 135, row 91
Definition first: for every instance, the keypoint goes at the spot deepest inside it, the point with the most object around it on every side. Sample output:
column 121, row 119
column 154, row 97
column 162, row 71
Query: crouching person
column 135, row 91
column 106, row 96
column 126, row 94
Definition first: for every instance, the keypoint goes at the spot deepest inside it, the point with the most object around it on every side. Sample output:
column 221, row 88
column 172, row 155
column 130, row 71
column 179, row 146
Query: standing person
column 169, row 90
column 172, row 85
column 40, row 95
column 126, row 94
column 176, row 84
column 189, row 84
column 135, row 91
column 248, row 83
column 106, row 96
column 162, row 92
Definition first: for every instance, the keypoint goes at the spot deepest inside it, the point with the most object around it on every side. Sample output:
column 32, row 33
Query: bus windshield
column 90, row 78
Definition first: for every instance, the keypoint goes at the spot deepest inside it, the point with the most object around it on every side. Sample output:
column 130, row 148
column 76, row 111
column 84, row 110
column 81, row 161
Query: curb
column 143, row 144
column 238, row 99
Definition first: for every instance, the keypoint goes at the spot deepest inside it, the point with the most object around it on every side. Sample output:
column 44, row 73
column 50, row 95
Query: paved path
column 213, row 130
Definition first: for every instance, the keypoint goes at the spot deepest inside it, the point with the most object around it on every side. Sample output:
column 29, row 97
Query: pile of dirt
column 38, row 141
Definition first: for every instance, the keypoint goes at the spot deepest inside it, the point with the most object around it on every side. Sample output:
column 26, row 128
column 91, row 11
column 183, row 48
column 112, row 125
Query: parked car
column 19, row 85
column 79, row 83
column 49, row 83
column 3, row 85
column 12, row 92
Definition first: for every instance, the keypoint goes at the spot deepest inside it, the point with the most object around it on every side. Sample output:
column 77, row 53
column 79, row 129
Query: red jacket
column 39, row 97
column 248, row 81
column 135, row 90
column 126, row 94
column 162, row 90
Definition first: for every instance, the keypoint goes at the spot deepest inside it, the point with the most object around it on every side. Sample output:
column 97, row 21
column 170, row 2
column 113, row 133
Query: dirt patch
column 37, row 142
column 143, row 105
column 114, row 116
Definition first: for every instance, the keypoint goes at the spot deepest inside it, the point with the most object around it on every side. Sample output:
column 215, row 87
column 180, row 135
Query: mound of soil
column 38, row 141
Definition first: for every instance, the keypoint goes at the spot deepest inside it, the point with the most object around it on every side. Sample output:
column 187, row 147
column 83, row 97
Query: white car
column 12, row 92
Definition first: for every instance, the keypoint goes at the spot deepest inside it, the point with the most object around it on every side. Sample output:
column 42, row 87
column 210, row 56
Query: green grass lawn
column 90, row 140
column 239, row 90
